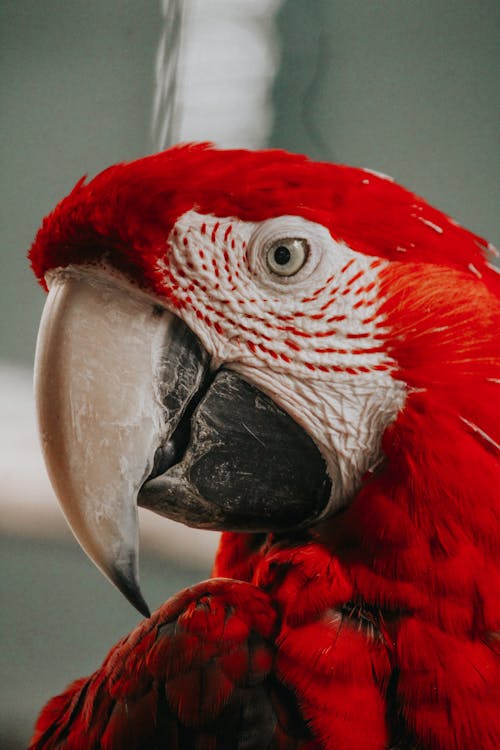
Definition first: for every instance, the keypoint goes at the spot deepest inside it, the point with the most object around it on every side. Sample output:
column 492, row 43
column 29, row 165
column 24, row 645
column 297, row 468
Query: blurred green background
column 407, row 87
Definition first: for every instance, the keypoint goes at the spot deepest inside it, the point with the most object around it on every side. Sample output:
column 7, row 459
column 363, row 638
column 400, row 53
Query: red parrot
column 305, row 357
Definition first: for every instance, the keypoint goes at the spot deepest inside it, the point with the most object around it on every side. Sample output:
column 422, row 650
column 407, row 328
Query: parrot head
column 230, row 337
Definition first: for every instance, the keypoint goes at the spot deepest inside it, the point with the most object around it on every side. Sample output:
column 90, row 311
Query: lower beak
column 129, row 413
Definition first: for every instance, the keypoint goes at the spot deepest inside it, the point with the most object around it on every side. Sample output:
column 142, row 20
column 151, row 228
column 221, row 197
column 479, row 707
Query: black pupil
column 282, row 255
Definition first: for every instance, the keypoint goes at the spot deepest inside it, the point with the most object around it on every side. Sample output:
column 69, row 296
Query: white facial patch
column 312, row 339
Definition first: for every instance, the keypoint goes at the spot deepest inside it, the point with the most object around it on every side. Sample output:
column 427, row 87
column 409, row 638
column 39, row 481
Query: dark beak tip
column 140, row 605
column 129, row 587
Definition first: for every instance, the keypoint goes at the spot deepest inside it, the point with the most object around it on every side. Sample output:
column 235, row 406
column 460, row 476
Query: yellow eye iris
column 285, row 257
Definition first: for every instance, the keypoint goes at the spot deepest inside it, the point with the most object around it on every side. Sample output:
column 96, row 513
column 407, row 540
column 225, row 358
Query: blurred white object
column 216, row 63
column 28, row 505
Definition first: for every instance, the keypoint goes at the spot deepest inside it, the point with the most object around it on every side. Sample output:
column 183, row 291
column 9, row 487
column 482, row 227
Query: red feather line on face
column 124, row 215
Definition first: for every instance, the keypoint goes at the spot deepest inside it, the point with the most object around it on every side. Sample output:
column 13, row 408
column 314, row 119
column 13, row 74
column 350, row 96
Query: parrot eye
column 286, row 250
column 285, row 257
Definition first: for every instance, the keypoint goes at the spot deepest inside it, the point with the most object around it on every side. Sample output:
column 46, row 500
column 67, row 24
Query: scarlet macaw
column 304, row 356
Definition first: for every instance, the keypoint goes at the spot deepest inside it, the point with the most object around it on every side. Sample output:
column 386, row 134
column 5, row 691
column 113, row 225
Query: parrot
column 302, row 356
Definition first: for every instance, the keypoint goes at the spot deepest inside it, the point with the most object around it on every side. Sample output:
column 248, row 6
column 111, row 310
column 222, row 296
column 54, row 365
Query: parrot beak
column 129, row 413
column 103, row 410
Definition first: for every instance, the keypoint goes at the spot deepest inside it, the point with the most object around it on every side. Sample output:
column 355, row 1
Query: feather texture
column 196, row 674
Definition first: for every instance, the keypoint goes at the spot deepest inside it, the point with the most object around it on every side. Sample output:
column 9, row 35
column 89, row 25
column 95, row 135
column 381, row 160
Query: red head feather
column 126, row 212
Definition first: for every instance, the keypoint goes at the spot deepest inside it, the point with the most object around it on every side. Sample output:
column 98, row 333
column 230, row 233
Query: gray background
column 406, row 87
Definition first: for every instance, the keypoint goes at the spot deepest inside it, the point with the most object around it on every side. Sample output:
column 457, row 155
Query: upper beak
column 106, row 401
column 117, row 380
